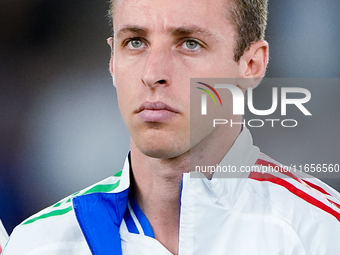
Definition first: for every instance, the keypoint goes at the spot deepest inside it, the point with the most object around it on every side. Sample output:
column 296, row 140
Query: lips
column 155, row 112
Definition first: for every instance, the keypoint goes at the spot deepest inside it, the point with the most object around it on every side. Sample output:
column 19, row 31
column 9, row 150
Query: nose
column 157, row 68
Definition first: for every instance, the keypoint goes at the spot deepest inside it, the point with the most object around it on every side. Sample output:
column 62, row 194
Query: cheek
column 126, row 83
column 213, row 66
column 125, row 99
column 125, row 68
column 121, row 102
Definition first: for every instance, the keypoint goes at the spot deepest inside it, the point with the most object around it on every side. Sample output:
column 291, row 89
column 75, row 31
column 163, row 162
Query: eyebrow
column 188, row 30
column 174, row 31
column 137, row 30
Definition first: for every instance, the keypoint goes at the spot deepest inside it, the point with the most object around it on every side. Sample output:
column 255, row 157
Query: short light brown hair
column 250, row 20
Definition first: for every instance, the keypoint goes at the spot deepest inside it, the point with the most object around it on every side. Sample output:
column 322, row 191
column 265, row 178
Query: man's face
column 158, row 46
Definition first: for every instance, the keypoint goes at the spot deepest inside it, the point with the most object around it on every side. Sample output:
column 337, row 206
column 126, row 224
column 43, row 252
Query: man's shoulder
column 55, row 228
column 299, row 201
column 279, row 182
column 64, row 206
column 294, row 202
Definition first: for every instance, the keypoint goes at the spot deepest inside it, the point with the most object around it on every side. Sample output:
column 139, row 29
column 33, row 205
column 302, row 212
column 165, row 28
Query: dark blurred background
column 60, row 128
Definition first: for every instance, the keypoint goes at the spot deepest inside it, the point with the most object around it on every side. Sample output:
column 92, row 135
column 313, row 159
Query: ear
column 253, row 63
column 111, row 64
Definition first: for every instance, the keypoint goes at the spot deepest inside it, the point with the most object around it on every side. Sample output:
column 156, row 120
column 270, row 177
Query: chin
column 164, row 142
column 163, row 149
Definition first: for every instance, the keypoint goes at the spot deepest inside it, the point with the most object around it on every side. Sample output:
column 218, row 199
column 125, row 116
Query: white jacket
column 255, row 213
column 3, row 236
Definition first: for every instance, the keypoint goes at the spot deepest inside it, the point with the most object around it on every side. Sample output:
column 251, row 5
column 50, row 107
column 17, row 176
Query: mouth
column 155, row 112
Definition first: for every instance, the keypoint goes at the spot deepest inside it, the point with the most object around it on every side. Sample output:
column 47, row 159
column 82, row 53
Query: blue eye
column 136, row 43
column 192, row 45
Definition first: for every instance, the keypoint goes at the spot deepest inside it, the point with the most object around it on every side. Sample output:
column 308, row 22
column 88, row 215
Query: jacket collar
column 243, row 153
column 227, row 186
column 100, row 215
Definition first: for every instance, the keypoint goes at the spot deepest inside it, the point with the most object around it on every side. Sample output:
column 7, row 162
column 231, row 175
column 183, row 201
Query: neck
column 157, row 190
column 157, row 182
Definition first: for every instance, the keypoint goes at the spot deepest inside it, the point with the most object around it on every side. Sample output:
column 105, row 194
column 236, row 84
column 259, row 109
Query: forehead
column 162, row 15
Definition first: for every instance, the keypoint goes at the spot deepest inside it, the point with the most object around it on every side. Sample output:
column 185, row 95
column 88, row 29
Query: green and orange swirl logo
column 209, row 93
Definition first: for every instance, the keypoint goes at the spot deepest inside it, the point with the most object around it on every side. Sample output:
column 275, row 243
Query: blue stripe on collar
column 180, row 193
column 99, row 216
column 130, row 224
column 146, row 226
